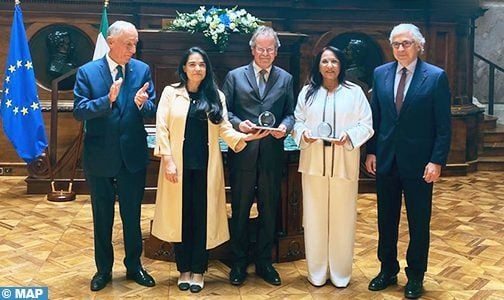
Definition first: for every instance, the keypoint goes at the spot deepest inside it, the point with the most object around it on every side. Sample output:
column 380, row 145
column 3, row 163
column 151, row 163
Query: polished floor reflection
column 51, row 244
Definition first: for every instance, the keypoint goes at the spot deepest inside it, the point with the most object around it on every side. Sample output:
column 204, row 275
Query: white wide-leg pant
column 329, row 216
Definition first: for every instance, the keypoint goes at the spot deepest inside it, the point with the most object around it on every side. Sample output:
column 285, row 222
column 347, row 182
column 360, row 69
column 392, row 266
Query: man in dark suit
column 411, row 119
column 113, row 95
column 256, row 172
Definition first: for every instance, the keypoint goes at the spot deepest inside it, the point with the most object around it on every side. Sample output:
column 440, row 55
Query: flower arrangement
column 216, row 23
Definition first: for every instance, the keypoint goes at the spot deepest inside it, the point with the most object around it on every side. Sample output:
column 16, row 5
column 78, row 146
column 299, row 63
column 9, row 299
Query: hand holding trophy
column 325, row 132
column 266, row 121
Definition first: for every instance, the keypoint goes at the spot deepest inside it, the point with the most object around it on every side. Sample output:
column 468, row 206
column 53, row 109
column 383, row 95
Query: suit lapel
column 123, row 95
column 105, row 72
column 416, row 82
column 251, row 78
column 389, row 88
column 272, row 79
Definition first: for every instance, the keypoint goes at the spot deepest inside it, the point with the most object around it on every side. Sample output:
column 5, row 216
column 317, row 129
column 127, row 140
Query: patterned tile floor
column 51, row 244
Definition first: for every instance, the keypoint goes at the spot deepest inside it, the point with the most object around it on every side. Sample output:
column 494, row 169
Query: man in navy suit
column 256, row 172
column 113, row 95
column 412, row 123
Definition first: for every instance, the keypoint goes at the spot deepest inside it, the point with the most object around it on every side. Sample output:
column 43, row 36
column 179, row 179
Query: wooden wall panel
column 445, row 23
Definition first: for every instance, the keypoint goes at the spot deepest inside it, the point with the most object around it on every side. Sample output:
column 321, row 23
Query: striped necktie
column 262, row 82
column 400, row 90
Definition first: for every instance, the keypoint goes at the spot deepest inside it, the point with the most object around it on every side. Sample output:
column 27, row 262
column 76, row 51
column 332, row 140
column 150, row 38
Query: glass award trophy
column 325, row 132
column 266, row 121
column 324, row 129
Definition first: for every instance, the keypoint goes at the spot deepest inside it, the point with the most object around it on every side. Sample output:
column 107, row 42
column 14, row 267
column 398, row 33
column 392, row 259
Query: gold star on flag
column 8, row 103
column 34, row 105
column 7, row 79
column 29, row 65
column 12, row 68
column 24, row 111
column 16, row 110
column 19, row 63
column 6, row 91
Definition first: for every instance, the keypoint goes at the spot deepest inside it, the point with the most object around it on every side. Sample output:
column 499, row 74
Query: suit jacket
column 421, row 132
column 244, row 103
column 113, row 133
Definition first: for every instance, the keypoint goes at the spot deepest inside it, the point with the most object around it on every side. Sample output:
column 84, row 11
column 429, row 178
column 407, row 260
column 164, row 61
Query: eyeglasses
column 263, row 50
column 406, row 44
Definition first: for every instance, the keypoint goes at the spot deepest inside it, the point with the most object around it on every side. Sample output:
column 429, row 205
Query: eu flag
column 20, row 107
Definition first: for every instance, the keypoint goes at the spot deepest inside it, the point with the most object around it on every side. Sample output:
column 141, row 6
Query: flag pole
column 17, row 2
column 106, row 2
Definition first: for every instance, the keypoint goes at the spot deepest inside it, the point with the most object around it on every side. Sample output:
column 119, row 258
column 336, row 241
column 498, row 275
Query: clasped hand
column 250, row 128
column 308, row 137
column 140, row 97
column 115, row 88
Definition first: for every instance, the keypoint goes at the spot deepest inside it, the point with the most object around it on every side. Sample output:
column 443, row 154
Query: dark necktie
column 262, row 82
column 120, row 73
column 400, row 90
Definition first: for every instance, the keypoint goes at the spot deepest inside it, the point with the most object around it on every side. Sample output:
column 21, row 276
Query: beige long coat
column 170, row 127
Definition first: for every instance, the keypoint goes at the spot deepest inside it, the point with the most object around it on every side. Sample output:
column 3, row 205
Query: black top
column 195, row 150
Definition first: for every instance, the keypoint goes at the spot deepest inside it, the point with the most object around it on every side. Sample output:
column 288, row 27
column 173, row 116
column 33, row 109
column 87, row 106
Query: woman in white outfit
column 333, row 119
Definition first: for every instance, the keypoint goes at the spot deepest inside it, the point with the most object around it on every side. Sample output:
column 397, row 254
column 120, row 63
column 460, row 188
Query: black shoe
column 142, row 278
column 184, row 285
column 413, row 289
column 196, row 287
column 269, row 274
column 237, row 275
column 99, row 281
column 382, row 281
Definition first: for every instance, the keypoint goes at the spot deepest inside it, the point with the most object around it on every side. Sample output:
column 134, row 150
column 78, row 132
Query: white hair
column 264, row 30
column 119, row 27
column 410, row 28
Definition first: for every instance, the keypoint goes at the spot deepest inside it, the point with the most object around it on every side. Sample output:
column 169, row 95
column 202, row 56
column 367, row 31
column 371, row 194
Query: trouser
column 418, row 201
column 129, row 188
column 243, row 192
column 191, row 254
column 329, row 217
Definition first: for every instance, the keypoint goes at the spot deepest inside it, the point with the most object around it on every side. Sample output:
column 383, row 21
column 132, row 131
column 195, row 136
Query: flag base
column 61, row 196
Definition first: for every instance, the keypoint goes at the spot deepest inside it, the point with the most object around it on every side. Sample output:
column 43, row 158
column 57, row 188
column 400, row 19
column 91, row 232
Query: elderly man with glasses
column 259, row 88
column 411, row 119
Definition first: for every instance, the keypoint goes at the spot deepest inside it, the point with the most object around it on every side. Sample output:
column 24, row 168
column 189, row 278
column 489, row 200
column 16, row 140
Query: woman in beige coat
column 190, row 204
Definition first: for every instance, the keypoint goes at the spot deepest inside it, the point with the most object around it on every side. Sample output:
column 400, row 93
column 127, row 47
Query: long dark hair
column 210, row 101
column 315, row 79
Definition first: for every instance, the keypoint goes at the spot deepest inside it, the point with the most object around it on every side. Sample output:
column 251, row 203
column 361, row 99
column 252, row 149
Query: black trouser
column 243, row 192
column 418, row 200
column 130, row 190
column 191, row 255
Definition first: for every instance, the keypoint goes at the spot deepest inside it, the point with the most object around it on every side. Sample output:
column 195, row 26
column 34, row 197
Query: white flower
column 216, row 23
column 241, row 12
